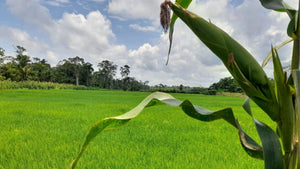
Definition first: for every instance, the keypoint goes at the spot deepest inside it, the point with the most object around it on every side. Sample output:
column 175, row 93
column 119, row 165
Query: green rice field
column 45, row 129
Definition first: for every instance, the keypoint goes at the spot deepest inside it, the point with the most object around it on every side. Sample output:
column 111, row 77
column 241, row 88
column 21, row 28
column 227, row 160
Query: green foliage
column 37, row 85
column 226, row 84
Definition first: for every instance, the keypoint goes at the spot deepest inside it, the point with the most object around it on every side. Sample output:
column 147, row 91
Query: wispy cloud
column 143, row 28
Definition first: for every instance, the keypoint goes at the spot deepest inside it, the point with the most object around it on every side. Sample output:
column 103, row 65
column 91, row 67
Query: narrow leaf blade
column 184, row 4
column 272, row 149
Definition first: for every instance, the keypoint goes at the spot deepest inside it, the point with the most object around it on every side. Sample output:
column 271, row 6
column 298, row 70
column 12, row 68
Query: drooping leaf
column 272, row 4
column 267, row 59
column 184, row 4
column 191, row 110
column 291, row 27
column 278, row 5
column 250, row 146
column 272, row 148
column 270, row 142
column 240, row 63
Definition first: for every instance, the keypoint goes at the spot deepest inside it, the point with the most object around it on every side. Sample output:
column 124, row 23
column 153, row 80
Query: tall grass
column 6, row 84
column 45, row 128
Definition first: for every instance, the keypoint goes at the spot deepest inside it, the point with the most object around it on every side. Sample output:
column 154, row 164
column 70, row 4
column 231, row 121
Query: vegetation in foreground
column 44, row 129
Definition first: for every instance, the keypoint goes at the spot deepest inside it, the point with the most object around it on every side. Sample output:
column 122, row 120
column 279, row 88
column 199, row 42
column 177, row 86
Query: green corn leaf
column 267, row 59
column 250, row 146
column 285, row 102
column 291, row 27
column 271, row 145
column 240, row 63
column 191, row 110
column 278, row 5
column 272, row 4
column 272, row 148
column 184, row 4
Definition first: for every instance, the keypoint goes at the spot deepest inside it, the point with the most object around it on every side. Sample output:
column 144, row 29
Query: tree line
column 78, row 72
column 70, row 71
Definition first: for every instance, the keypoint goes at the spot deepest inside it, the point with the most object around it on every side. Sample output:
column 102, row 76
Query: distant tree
column 227, row 84
column 2, row 56
column 22, row 62
column 76, row 64
column 86, row 73
column 125, row 70
column 22, row 59
column 72, row 70
column 106, row 73
column 41, row 70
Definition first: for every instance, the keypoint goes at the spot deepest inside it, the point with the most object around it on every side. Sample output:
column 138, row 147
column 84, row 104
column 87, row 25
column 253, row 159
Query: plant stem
column 296, row 77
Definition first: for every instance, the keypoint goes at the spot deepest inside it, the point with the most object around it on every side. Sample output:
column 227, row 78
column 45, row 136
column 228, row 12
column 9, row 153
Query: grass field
column 45, row 129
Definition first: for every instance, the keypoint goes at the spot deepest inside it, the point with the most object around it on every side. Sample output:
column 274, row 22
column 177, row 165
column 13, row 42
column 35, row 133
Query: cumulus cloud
column 31, row 12
column 16, row 36
column 132, row 9
column 79, row 33
column 191, row 63
column 89, row 36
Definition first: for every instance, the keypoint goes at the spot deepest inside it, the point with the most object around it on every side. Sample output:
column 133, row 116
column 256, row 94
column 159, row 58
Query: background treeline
column 23, row 71
column 68, row 71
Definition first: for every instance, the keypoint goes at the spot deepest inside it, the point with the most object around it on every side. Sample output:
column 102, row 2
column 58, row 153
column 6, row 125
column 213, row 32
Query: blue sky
column 128, row 32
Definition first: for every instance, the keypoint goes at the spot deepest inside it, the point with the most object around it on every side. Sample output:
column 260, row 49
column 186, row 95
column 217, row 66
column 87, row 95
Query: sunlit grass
column 45, row 129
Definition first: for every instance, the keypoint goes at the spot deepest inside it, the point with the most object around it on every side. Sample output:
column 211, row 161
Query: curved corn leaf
column 267, row 59
column 202, row 114
column 250, row 146
column 272, row 4
column 278, row 5
column 291, row 27
column 271, row 145
column 240, row 63
column 184, row 4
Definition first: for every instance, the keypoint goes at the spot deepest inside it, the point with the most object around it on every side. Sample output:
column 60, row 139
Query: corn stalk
column 280, row 101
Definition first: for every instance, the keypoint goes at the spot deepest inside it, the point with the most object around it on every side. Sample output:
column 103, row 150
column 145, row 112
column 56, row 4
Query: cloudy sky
column 128, row 32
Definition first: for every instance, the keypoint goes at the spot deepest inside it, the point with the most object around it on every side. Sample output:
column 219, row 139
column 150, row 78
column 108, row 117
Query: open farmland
column 45, row 129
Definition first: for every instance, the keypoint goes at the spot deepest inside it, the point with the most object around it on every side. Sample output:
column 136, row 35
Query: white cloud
column 18, row 37
column 88, row 36
column 143, row 28
column 31, row 12
column 133, row 9
column 79, row 33
column 98, row 0
column 57, row 2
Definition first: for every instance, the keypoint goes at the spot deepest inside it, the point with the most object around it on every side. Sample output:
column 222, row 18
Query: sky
column 129, row 32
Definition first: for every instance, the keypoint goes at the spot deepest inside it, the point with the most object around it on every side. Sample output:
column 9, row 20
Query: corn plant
column 280, row 101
